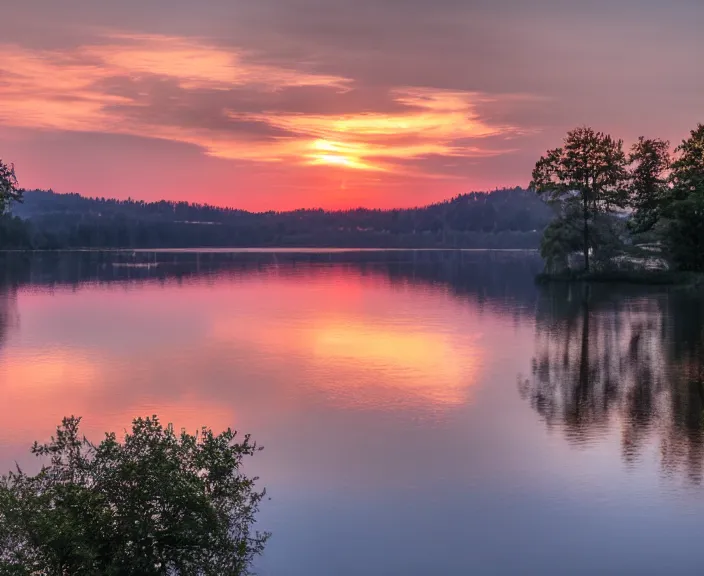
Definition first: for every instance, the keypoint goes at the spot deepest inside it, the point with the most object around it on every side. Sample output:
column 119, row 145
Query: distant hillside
column 505, row 218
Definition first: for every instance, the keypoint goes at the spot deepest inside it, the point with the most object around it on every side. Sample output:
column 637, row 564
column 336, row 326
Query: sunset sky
column 278, row 104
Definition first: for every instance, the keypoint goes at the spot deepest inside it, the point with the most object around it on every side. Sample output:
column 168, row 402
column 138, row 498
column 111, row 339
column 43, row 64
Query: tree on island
column 649, row 191
column 591, row 179
column 684, row 208
column 587, row 176
column 667, row 197
column 157, row 503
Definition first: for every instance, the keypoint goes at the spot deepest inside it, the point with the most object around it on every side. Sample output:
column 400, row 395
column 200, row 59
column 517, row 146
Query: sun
column 326, row 152
column 335, row 160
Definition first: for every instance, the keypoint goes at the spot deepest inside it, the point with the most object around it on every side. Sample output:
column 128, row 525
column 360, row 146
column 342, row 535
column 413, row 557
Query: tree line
column 507, row 218
column 609, row 198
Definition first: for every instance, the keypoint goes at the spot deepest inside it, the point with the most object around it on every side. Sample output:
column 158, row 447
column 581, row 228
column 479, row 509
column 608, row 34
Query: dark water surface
column 422, row 412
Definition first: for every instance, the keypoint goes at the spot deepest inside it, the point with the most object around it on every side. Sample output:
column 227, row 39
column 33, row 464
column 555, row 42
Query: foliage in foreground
column 157, row 503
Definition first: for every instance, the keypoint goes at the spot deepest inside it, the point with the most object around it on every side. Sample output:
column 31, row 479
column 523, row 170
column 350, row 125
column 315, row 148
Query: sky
column 282, row 104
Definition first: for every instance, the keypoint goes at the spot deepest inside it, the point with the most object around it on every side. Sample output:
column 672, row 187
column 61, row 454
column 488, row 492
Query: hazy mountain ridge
column 504, row 218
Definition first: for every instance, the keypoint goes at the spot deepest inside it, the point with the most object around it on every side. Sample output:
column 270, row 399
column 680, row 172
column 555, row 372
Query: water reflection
column 110, row 335
column 487, row 276
column 627, row 358
column 9, row 316
column 382, row 385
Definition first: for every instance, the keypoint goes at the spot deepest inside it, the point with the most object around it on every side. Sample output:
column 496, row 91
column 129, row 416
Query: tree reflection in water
column 609, row 357
column 8, row 311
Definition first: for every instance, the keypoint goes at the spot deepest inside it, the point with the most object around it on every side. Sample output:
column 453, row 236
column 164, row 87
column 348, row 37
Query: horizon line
column 311, row 209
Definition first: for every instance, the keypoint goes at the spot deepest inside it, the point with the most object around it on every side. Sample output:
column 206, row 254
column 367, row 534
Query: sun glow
column 336, row 160
column 326, row 152
column 98, row 88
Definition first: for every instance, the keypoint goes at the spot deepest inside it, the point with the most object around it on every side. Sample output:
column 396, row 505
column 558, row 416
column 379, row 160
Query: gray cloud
column 162, row 101
column 558, row 48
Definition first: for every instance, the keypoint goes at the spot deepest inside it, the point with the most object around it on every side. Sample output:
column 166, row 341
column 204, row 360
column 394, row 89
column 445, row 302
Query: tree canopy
column 588, row 170
column 597, row 188
column 157, row 503
column 650, row 161
column 684, row 209
column 688, row 169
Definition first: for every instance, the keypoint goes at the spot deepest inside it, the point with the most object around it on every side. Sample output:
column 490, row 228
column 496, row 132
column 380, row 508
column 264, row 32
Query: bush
column 156, row 504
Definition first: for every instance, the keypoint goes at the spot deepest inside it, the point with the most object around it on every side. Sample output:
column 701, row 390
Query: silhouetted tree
column 685, row 212
column 650, row 161
column 562, row 237
column 590, row 170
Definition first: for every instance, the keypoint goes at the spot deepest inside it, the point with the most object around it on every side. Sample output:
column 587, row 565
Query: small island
column 635, row 218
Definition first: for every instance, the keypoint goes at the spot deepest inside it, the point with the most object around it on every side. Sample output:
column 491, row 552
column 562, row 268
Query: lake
column 423, row 412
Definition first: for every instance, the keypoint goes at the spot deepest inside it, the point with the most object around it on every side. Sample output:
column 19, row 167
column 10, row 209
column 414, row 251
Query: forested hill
column 512, row 218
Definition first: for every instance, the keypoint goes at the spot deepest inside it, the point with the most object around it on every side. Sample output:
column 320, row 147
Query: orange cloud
column 196, row 65
column 431, row 125
column 67, row 90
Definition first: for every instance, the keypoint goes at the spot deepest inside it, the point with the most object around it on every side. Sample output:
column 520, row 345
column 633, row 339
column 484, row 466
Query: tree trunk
column 585, row 212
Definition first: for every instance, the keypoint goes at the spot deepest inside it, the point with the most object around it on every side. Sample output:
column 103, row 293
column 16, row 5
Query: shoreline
column 264, row 249
column 643, row 277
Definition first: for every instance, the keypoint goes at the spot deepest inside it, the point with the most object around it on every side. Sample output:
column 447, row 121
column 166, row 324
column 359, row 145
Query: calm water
column 422, row 412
